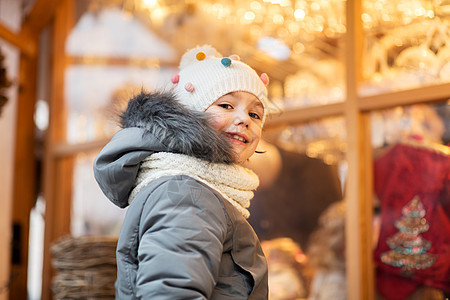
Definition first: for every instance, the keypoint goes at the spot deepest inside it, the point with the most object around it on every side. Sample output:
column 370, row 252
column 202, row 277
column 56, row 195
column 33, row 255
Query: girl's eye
column 254, row 115
column 226, row 106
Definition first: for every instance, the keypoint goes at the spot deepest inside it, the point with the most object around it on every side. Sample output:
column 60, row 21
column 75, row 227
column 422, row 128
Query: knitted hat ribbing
column 205, row 76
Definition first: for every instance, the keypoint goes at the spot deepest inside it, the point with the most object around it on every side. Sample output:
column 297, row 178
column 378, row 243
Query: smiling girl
column 177, row 165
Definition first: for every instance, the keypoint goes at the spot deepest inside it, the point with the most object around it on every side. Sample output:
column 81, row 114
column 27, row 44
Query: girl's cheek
column 258, row 123
column 216, row 123
column 257, row 127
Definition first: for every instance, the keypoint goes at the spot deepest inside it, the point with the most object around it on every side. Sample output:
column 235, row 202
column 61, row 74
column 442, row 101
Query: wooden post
column 27, row 47
column 25, row 177
column 366, row 209
column 57, row 188
column 353, row 190
column 24, row 191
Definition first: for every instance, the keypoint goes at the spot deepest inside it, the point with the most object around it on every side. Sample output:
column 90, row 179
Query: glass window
column 92, row 213
column 113, row 56
column 114, row 52
column 95, row 96
column 405, row 44
column 298, row 43
column 298, row 211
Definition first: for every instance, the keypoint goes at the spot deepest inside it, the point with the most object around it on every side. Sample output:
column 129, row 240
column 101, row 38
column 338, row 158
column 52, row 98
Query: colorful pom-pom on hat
column 235, row 57
column 264, row 78
column 189, row 87
column 200, row 56
column 205, row 75
column 175, row 78
column 226, row 61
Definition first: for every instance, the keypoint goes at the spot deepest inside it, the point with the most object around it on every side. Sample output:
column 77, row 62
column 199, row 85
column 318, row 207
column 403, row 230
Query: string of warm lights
column 291, row 22
column 294, row 22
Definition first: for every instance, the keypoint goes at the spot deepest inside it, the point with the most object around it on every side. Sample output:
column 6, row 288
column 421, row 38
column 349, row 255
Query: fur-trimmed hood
column 155, row 122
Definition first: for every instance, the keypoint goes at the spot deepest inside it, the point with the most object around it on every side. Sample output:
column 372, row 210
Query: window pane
column 405, row 44
column 95, row 95
column 113, row 32
column 92, row 213
column 297, row 211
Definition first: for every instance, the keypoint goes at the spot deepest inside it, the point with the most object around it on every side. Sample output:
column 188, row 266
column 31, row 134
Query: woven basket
column 86, row 267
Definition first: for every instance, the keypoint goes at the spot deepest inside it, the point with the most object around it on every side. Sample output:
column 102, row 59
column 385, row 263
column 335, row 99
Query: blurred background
column 354, row 199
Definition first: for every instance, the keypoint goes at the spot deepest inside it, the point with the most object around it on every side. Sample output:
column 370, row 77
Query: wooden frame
column 57, row 188
column 356, row 109
column 356, row 288
column 24, row 162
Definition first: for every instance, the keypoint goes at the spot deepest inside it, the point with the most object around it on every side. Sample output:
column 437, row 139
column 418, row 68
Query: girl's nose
column 242, row 118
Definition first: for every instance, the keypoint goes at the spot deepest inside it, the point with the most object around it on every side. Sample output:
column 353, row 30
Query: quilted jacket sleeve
column 183, row 227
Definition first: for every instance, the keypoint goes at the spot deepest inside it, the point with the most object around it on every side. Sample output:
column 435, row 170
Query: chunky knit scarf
column 234, row 182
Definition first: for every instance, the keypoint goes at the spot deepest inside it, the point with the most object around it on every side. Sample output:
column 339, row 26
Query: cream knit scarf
column 234, row 182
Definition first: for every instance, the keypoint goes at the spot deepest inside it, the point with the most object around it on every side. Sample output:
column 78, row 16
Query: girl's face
column 238, row 115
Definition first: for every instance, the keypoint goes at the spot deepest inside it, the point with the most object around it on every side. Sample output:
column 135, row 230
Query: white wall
column 10, row 17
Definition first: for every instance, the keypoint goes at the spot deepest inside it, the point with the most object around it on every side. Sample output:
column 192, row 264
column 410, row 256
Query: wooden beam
column 303, row 114
column 366, row 207
column 40, row 15
column 26, row 44
column 356, row 279
column 121, row 61
column 433, row 93
column 60, row 150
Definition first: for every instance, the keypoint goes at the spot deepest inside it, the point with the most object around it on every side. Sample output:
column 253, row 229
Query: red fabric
column 400, row 174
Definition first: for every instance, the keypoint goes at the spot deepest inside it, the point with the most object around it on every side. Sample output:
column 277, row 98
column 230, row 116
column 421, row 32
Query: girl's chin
column 242, row 152
column 238, row 156
column 241, row 159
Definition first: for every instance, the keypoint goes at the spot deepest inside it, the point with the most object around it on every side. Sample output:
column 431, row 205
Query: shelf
column 287, row 117
column 24, row 43
column 300, row 115
column 120, row 61
column 428, row 94
column 64, row 149
column 434, row 93
column 304, row 114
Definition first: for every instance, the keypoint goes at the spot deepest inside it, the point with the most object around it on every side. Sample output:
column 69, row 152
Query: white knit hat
column 205, row 76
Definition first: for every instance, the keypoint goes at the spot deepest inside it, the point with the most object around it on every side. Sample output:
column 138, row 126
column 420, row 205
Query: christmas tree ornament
column 408, row 248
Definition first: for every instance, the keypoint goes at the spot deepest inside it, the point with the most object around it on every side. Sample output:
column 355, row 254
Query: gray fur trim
column 179, row 128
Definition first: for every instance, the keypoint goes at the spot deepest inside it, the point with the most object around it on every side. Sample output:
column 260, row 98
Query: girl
column 177, row 164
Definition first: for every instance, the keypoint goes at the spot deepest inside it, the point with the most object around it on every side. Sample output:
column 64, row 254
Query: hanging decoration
column 408, row 248
column 4, row 83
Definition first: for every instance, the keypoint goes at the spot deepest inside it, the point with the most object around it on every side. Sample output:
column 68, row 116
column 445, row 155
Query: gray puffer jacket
column 180, row 239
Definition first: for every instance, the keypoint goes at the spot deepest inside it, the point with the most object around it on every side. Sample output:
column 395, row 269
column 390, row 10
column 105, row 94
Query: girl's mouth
column 238, row 138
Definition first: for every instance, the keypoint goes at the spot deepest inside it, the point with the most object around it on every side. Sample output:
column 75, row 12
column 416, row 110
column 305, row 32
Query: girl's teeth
column 239, row 138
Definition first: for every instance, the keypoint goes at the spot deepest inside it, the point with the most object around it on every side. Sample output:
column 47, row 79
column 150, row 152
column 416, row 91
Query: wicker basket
column 86, row 267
